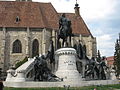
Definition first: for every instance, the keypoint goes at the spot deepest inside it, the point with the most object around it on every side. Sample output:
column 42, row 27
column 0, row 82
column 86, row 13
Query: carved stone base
column 67, row 65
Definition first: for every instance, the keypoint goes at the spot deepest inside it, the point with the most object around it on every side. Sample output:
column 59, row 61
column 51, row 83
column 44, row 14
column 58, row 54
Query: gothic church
column 27, row 27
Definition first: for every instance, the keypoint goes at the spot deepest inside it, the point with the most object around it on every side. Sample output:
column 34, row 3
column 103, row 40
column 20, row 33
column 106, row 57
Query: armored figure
column 50, row 54
column 65, row 30
column 39, row 65
column 42, row 72
column 97, row 69
column 63, row 22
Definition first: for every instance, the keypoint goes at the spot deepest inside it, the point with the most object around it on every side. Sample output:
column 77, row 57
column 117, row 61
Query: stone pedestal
column 20, row 76
column 9, row 75
column 67, row 65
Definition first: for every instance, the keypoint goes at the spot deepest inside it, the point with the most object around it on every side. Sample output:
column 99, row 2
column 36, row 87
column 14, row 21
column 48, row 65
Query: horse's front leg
column 64, row 43
column 58, row 43
column 70, row 41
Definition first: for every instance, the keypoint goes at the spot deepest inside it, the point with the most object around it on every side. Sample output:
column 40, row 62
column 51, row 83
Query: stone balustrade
column 20, row 74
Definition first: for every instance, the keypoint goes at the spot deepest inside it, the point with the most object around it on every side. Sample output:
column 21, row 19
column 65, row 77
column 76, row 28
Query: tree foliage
column 21, row 62
column 117, row 57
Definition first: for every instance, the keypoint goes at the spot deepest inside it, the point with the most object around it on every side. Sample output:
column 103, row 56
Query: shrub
column 21, row 62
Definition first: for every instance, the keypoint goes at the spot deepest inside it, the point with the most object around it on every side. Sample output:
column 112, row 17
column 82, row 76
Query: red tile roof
column 78, row 24
column 36, row 15
column 31, row 14
column 110, row 60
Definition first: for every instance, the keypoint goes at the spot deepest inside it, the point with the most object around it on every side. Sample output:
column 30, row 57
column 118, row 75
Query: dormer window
column 17, row 19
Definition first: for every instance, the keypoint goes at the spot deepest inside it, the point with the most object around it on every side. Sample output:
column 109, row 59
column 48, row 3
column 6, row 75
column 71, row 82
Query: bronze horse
column 65, row 31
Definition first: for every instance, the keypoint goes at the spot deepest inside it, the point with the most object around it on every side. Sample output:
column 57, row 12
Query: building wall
column 1, row 48
column 36, row 34
column 110, row 62
column 4, row 45
column 48, row 37
column 16, row 34
column 89, row 42
column 94, row 47
column 27, row 36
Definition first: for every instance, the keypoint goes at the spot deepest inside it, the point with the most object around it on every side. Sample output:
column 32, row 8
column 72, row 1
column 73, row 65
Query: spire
column 77, row 9
column 119, row 37
column 76, row 4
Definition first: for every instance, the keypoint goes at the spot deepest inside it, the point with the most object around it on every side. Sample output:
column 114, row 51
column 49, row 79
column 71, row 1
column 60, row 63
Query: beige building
column 27, row 27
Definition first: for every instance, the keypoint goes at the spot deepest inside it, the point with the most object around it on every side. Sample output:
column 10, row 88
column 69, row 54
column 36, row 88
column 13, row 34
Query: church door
column 35, row 48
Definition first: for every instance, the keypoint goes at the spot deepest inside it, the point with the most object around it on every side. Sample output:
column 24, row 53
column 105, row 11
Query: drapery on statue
column 65, row 31
column 81, row 50
column 50, row 53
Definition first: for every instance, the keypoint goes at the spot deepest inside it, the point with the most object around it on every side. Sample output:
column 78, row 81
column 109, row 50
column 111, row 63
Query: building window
column 17, row 18
column 35, row 48
column 17, row 46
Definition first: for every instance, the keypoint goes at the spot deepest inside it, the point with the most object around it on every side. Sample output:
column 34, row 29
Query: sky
column 101, row 16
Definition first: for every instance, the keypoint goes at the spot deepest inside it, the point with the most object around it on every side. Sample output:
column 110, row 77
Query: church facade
column 26, row 29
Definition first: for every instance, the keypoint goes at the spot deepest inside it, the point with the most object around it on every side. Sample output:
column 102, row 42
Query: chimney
column 77, row 13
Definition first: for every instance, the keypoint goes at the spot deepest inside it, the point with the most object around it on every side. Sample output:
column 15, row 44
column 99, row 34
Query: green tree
column 117, row 57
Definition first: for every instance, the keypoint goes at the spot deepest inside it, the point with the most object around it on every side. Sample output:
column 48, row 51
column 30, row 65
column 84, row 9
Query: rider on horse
column 63, row 25
column 65, row 29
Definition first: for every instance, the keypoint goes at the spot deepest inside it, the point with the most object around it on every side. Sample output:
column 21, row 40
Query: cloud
column 106, row 37
column 89, row 9
column 105, row 44
column 101, row 16
column 61, row 5
column 97, row 9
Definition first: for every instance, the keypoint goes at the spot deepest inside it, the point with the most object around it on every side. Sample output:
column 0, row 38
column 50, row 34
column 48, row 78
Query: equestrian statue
column 65, row 31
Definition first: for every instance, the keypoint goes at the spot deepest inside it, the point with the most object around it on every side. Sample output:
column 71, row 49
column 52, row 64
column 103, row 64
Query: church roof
column 31, row 14
column 37, row 15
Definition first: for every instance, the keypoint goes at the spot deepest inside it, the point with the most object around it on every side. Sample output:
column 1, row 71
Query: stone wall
column 27, row 36
column 90, row 43
column 1, row 48
column 17, row 34
column 36, row 34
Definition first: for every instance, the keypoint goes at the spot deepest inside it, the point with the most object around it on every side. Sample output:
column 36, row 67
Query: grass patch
column 98, row 87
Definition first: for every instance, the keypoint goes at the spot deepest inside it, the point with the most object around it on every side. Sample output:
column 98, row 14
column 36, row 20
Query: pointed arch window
column 17, row 46
column 35, row 47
